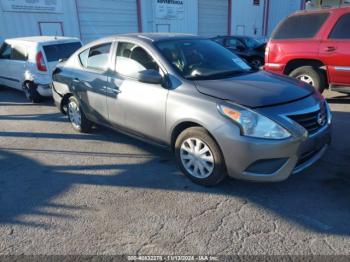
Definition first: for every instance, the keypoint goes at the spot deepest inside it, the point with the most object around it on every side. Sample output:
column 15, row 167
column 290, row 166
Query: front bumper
column 271, row 161
column 274, row 160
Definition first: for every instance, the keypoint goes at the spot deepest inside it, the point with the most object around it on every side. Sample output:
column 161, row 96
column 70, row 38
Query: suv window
column 60, row 51
column 341, row 29
column 5, row 51
column 300, row 26
column 132, row 59
column 96, row 57
column 19, row 53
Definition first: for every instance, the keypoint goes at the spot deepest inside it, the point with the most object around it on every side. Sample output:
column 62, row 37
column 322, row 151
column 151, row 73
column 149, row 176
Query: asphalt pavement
column 62, row 192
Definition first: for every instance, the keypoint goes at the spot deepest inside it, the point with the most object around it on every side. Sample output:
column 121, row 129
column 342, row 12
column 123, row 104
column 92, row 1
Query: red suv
column 314, row 47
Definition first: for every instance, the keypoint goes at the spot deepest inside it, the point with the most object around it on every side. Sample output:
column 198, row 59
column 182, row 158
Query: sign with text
column 170, row 9
column 32, row 6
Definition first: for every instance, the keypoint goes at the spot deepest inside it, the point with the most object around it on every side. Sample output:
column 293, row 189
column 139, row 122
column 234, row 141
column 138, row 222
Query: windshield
column 201, row 59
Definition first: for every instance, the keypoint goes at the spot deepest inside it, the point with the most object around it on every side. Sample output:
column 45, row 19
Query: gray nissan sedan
column 218, row 115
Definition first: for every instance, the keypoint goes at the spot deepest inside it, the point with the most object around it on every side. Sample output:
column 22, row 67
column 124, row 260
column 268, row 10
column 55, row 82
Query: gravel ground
column 105, row 193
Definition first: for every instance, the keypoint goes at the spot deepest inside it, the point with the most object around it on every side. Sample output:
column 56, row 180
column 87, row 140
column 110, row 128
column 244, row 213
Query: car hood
column 260, row 89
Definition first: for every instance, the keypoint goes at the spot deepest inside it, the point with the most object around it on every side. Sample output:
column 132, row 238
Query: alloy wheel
column 197, row 158
column 74, row 114
column 307, row 79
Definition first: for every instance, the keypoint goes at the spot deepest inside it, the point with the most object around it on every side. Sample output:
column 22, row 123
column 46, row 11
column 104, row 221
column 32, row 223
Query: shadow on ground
column 317, row 199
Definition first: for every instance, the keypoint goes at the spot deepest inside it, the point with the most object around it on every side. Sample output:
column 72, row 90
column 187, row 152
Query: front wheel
column 310, row 75
column 77, row 117
column 199, row 157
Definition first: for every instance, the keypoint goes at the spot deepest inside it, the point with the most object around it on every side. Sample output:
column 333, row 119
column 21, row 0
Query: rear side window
column 300, row 26
column 342, row 28
column 5, row 51
column 96, row 57
column 19, row 53
column 60, row 51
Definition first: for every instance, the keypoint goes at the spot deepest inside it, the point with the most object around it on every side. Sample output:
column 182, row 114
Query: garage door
column 100, row 18
column 212, row 17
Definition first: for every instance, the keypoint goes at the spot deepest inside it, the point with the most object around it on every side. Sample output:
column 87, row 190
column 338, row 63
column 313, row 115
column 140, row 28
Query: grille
column 313, row 121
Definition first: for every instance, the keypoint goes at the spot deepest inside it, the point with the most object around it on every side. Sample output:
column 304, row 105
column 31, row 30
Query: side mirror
column 149, row 76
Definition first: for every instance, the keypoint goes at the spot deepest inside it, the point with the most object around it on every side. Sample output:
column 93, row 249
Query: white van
column 27, row 63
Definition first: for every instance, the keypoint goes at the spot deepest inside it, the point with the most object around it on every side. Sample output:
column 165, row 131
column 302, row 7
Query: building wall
column 247, row 19
column 17, row 24
column 100, row 18
column 187, row 23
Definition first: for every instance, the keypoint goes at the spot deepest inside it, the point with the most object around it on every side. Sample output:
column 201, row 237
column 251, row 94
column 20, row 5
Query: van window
column 19, row 53
column 300, row 26
column 60, row 51
column 341, row 29
column 5, row 51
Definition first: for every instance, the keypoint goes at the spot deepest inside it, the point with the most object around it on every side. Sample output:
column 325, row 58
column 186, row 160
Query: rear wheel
column 77, row 117
column 312, row 76
column 31, row 93
column 199, row 157
column 256, row 62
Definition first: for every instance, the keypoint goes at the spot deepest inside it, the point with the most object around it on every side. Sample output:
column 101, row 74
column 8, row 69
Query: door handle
column 330, row 49
column 76, row 80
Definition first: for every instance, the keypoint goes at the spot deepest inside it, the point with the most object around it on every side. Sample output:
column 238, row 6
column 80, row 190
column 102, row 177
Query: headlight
column 253, row 124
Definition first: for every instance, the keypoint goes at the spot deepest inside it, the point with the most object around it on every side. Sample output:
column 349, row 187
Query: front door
column 335, row 51
column 139, row 107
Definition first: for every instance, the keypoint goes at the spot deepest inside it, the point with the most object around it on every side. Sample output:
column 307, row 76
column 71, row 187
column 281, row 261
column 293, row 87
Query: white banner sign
column 32, row 6
column 170, row 9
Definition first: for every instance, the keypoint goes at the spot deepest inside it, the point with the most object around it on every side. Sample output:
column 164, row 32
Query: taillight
column 40, row 63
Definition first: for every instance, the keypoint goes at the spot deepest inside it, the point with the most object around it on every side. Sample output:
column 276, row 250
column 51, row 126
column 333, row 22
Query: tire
column 214, row 171
column 30, row 91
column 77, row 117
column 256, row 62
column 312, row 76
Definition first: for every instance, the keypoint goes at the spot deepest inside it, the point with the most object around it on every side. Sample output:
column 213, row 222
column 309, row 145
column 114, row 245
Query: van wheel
column 77, row 117
column 311, row 76
column 199, row 157
column 30, row 91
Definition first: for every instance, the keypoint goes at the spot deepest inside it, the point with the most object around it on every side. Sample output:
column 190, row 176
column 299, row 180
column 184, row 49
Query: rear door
column 138, row 107
column 335, row 51
column 90, row 84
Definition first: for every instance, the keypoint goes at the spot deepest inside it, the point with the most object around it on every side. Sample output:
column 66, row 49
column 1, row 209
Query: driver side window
column 131, row 59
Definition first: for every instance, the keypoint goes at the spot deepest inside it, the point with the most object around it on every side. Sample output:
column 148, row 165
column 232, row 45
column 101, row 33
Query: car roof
column 152, row 37
column 42, row 39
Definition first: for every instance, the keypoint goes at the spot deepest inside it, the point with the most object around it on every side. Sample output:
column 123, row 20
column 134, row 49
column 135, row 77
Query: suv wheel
column 30, row 91
column 77, row 117
column 199, row 157
column 311, row 76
